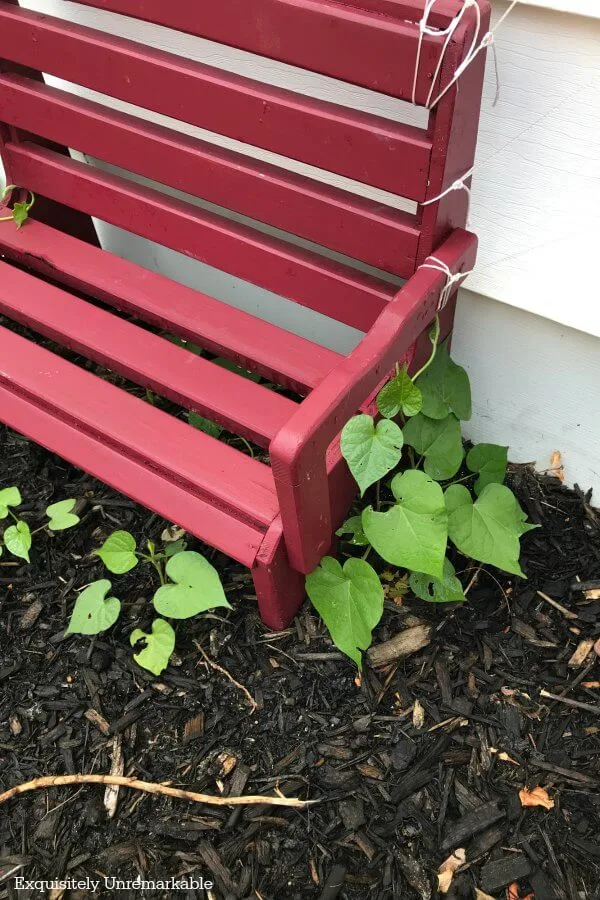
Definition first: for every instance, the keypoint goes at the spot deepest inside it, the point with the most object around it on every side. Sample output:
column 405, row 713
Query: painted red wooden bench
column 278, row 520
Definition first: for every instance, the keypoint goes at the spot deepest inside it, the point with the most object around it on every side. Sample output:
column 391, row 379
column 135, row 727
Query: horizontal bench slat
column 307, row 278
column 362, row 229
column 235, row 402
column 372, row 150
column 198, row 516
column 348, row 41
column 277, row 354
column 183, row 455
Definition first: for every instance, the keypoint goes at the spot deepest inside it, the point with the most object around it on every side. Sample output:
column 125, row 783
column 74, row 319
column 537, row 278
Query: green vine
column 430, row 509
column 20, row 211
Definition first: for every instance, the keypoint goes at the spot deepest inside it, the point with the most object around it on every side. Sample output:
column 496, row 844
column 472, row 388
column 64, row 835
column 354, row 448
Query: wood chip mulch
column 466, row 715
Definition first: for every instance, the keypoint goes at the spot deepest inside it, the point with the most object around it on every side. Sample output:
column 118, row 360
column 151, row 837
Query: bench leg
column 279, row 588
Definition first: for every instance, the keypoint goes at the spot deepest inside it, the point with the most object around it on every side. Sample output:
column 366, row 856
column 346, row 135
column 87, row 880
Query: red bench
column 278, row 520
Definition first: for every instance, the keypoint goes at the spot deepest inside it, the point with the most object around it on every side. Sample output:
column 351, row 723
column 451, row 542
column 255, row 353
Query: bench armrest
column 298, row 452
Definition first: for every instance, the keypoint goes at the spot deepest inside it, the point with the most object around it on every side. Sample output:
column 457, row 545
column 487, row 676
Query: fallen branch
column 403, row 644
column 50, row 781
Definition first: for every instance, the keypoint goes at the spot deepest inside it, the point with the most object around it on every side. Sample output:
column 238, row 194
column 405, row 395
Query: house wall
column 528, row 328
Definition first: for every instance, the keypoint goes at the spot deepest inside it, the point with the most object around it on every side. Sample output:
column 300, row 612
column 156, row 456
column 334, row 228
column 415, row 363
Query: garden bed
column 411, row 762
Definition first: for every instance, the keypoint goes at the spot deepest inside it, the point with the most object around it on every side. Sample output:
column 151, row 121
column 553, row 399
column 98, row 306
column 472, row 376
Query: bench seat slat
column 187, row 457
column 277, row 354
column 372, row 150
column 365, row 230
column 144, row 485
column 233, row 401
column 307, row 278
column 346, row 40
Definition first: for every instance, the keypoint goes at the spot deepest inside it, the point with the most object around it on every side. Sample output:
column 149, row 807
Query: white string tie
column 425, row 28
column 486, row 41
column 451, row 279
column 458, row 185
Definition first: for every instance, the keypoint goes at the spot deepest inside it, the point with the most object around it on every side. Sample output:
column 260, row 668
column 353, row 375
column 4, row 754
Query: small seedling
column 421, row 414
column 18, row 537
column 20, row 211
column 189, row 585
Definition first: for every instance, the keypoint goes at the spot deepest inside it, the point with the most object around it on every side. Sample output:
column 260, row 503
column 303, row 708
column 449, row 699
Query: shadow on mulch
column 399, row 796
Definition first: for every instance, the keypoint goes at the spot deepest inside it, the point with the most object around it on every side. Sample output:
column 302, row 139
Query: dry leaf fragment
column 418, row 716
column 481, row 895
column 538, row 796
column 172, row 533
column 597, row 647
column 581, row 653
column 556, row 465
column 593, row 594
column 448, row 868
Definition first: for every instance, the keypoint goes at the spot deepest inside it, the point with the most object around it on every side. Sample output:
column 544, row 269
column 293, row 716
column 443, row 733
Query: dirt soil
column 423, row 757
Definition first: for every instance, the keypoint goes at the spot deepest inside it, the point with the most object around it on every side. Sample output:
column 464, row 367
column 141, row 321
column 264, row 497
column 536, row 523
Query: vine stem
column 434, row 338
column 150, row 788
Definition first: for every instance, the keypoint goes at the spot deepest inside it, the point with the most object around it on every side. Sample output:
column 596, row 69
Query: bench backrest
column 370, row 43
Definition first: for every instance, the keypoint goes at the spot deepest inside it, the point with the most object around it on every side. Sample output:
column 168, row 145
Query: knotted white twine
column 425, row 28
column 458, row 185
column 438, row 266
column 486, row 41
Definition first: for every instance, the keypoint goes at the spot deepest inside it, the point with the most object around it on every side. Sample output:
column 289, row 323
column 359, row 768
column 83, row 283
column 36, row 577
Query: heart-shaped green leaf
column 205, row 425
column 490, row 460
column 353, row 527
column 370, row 451
column 413, row 533
column 94, row 611
column 350, row 602
column 435, row 590
column 197, row 587
column 17, row 539
column 159, row 646
column 439, row 441
column 175, row 547
column 445, row 388
column 118, row 552
column 400, row 394
column 20, row 213
column 10, row 496
column 61, row 515
column 489, row 529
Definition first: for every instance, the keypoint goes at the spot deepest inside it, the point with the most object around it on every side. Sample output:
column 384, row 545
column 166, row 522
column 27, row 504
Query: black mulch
column 417, row 760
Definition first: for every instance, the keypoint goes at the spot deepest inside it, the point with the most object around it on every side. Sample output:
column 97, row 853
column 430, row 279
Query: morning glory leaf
column 10, row 496
column 445, row 388
column 20, row 213
column 413, row 533
column 439, row 441
column 61, row 515
column 490, row 461
column 400, row 394
column 370, row 450
column 205, row 425
column 160, row 644
column 350, row 602
column 233, row 367
column 435, row 590
column 94, row 611
column 489, row 529
column 197, row 587
column 353, row 527
column 118, row 552
column 17, row 539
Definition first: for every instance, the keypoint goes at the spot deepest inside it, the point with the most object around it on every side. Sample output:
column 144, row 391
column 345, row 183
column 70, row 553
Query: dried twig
column 562, row 609
column 50, row 781
column 218, row 668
